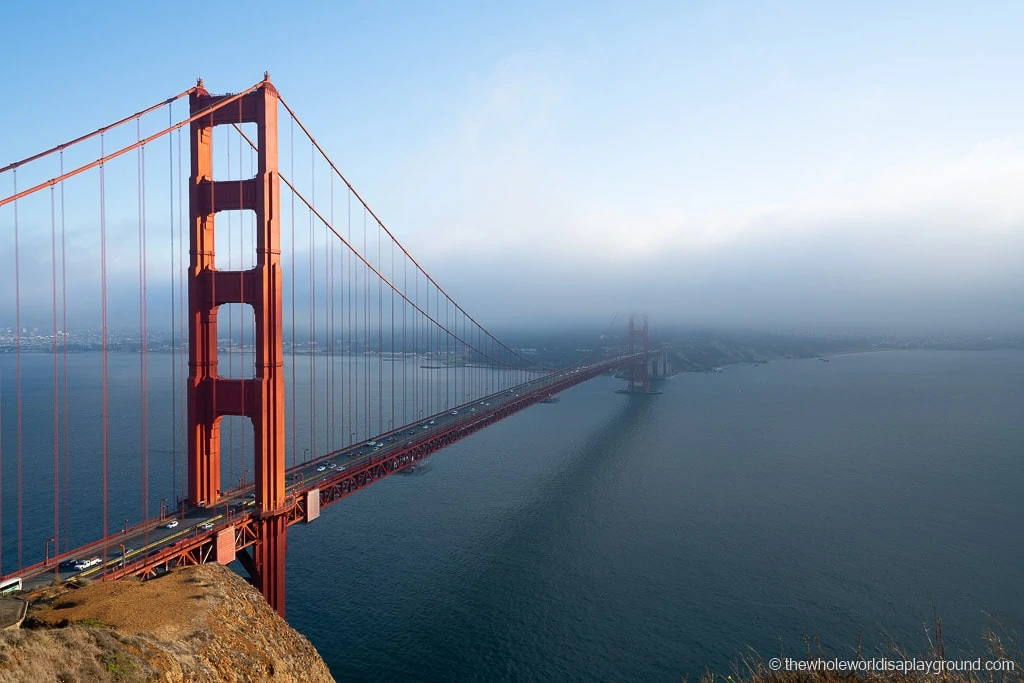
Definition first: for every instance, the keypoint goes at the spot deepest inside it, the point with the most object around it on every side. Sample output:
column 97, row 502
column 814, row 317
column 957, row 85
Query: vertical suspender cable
column 64, row 340
column 329, row 315
column 291, row 152
column 56, row 393
column 17, row 346
column 181, row 318
column 242, row 315
column 380, row 340
column 174, row 361
column 405, row 343
column 231, row 330
column 143, row 332
column 415, row 347
column 394, row 417
column 312, row 315
column 353, row 417
column 103, row 345
column 366, row 327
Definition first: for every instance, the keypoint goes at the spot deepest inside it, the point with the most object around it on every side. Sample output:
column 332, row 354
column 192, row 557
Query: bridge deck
column 154, row 546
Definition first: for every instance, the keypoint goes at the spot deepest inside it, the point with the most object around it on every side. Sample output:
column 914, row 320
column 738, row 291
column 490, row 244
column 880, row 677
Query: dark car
column 68, row 563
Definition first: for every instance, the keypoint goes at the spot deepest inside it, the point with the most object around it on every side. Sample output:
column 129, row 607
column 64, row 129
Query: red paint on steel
column 210, row 396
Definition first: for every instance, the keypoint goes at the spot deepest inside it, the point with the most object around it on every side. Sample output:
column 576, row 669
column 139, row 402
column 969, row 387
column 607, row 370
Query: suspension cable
column 104, row 158
column 99, row 131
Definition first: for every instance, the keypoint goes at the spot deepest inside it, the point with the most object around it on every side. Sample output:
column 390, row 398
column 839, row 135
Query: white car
column 171, row 524
column 85, row 564
column 321, row 468
column 206, row 526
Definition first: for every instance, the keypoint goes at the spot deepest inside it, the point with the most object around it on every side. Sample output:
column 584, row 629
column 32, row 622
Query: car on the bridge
column 321, row 468
column 206, row 526
column 454, row 412
column 68, row 563
column 171, row 524
column 85, row 564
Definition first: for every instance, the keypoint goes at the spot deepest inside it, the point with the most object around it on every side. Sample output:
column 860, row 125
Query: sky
column 775, row 165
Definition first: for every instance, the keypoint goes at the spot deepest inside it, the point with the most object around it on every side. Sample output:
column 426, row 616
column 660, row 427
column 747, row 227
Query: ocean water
column 615, row 538
column 609, row 537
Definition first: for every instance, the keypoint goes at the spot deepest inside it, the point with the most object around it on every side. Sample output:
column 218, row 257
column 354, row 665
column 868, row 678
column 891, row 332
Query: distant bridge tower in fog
column 639, row 377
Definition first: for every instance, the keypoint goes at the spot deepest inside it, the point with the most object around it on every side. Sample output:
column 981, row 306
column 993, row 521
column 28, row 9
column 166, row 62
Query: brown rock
column 200, row 623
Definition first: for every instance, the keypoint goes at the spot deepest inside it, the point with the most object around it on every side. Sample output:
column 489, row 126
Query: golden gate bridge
column 363, row 321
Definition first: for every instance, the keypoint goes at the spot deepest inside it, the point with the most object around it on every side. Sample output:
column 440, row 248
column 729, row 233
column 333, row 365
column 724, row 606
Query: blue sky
column 793, row 164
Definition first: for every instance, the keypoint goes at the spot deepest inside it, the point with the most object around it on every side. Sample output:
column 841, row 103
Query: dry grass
column 194, row 624
column 1000, row 644
column 73, row 654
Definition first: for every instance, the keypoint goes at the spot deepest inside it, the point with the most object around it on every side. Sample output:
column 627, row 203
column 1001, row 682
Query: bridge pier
column 211, row 397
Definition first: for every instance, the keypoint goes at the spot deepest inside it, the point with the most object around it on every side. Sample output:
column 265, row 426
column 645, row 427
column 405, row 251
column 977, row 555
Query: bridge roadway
column 156, row 545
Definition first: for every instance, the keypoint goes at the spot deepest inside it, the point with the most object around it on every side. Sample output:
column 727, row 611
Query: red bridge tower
column 210, row 396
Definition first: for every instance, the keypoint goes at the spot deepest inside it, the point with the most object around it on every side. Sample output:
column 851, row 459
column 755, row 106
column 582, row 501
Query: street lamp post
column 163, row 508
column 46, row 551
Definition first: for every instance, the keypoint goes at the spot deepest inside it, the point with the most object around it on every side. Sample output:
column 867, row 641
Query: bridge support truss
column 639, row 377
column 210, row 396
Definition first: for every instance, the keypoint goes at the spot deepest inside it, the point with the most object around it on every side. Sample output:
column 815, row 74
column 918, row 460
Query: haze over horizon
column 786, row 167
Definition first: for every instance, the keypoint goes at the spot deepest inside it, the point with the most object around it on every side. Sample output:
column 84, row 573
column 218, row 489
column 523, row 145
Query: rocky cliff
column 200, row 623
